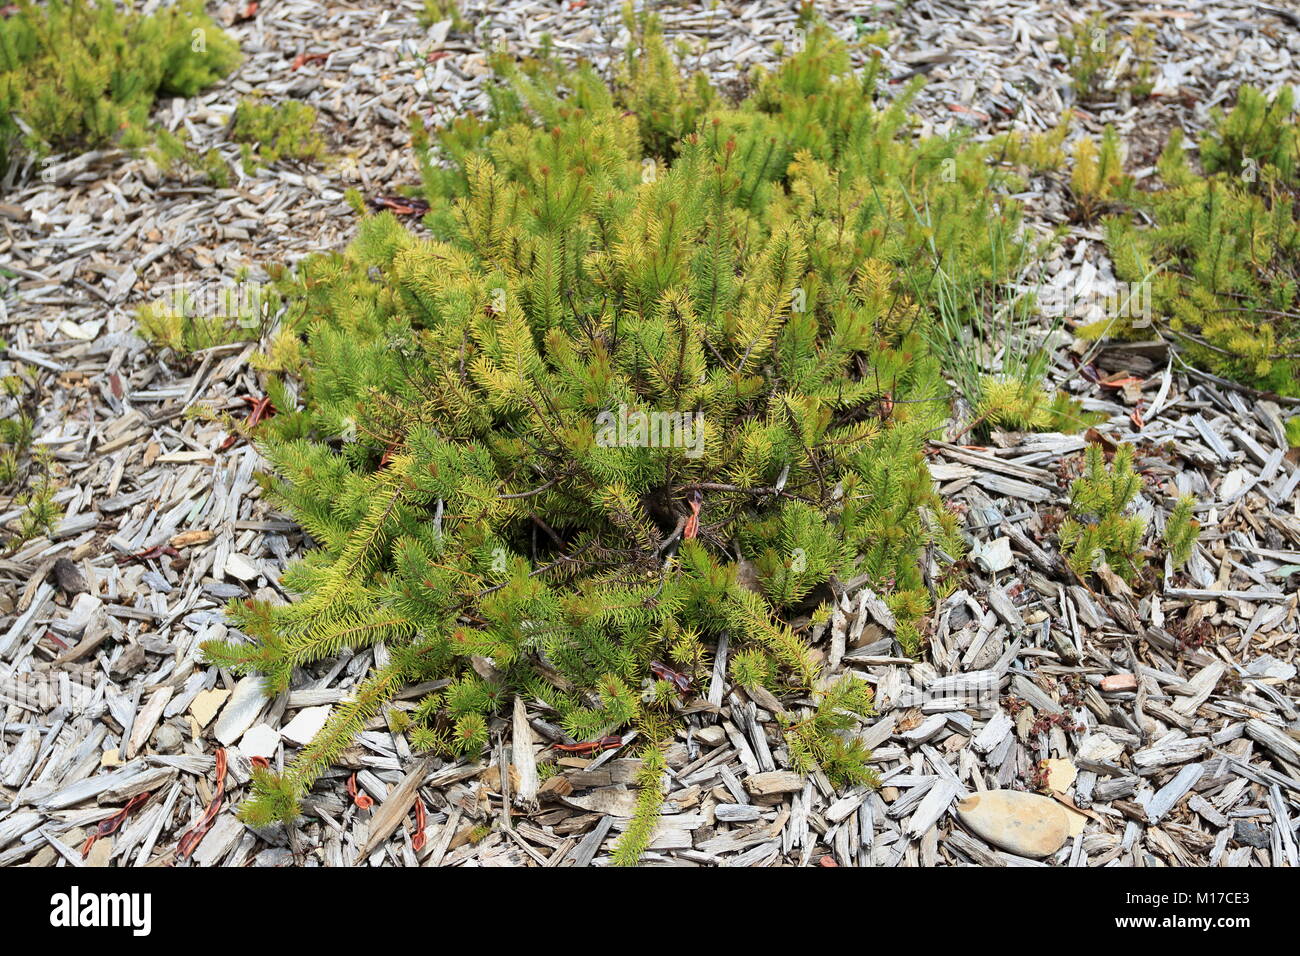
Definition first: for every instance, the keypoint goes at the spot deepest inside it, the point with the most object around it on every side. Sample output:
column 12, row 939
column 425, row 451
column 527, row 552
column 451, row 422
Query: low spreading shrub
column 1222, row 260
column 270, row 132
column 80, row 74
column 660, row 373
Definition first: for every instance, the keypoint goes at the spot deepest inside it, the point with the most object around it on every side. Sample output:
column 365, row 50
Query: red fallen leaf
column 693, row 522
column 362, row 800
column 189, row 842
column 260, row 762
column 418, row 839
column 1136, row 417
column 827, row 860
column 247, row 13
column 400, row 205
column 51, row 636
column 1119, row 380
column 436, row 55
column 110, row 825
column 149, row 554
column 115, row 383
column 304, row 58
column 577, row 4
column 260, row 409
column 958, row 108
column 666, row 673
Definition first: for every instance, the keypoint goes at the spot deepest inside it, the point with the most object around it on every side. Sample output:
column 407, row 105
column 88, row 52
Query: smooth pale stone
column 245, row 704
column 261, row 741
column 1021, row 823
column 206, row 703
column 306, row 724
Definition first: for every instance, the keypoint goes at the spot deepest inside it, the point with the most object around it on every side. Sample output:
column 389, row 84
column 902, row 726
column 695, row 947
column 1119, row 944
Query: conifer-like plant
column 27, row 484
column 82, row 73
column 658, row 375
column 1181, row 531
column 1222, row 259
column 269, row 132
column 1100, row 525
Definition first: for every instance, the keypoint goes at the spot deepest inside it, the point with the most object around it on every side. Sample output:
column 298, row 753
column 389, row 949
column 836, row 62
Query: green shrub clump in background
column 174, row 151
column 435, row 11
column 663, row 373
column 1101, row 527
column 1223, row 257
column 187, row 320
column 273, row 131
column 1181, row 531
column 1100, row 59
column 1258, row 132
column 78, row 74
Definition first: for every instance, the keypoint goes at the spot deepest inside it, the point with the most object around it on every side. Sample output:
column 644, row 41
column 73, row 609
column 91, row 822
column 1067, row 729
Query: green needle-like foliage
column 273, row 131
column 1265, row 132
column 1181, row 531
column 1223, row 258
column 1099, row 525
column 26, row 473
column 81, row 73
column 631, row 305
column 636, row 838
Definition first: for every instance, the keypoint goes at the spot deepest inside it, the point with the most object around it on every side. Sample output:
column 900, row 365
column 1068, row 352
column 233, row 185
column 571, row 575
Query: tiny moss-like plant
column 187, row 319
column 435, row 11
column 1099, row 525
column 1040, row 152
column 1098, row 181
column 1086, row 49
column 273, row 131
column 82, row 74
column 173, row 152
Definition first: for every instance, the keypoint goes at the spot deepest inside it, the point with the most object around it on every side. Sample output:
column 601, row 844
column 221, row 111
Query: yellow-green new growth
column 443, row 446
column 1181, row 531
column 84, row 73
